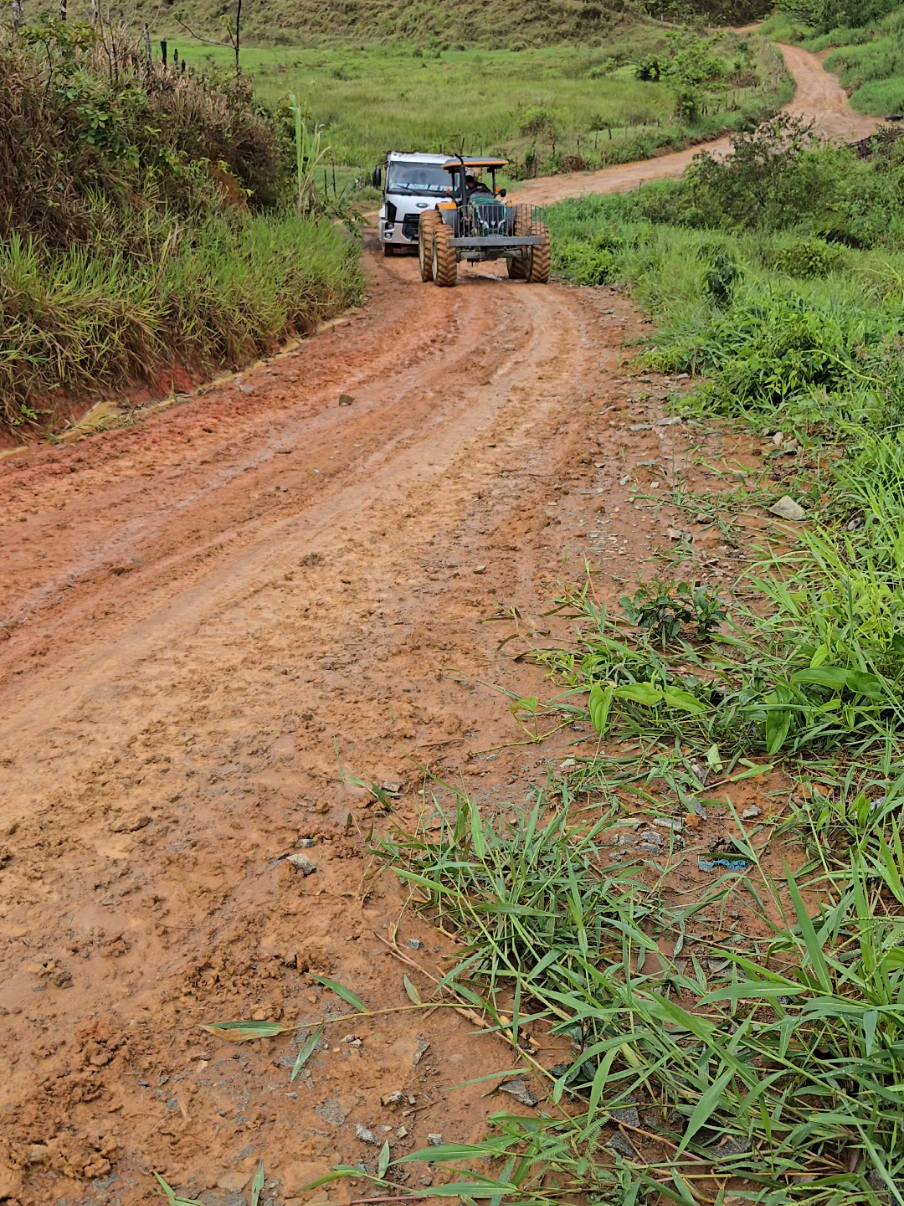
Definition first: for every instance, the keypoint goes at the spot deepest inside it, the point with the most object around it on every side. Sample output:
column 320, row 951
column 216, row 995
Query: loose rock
column 366, row 1135
column 622, row 1145
column 302, row 863
column 629, row 1116
column 130, row 824
column 672, row 823
column 434, row 1140
column 331, row 1111
column 346, row 400
column 787, row 508
column 520, row 1091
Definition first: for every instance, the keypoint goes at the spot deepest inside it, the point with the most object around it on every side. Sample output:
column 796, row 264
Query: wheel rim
column 435, row 260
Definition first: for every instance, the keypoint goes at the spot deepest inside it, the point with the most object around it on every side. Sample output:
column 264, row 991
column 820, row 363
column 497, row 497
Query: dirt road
column 205, row 615
column 818, row 96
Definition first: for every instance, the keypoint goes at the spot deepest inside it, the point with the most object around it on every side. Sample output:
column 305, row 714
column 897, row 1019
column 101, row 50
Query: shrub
column 805, row 256
column 768, row 180
column 76, row 129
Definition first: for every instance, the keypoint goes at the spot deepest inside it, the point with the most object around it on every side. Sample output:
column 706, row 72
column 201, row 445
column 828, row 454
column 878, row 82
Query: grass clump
column 775, row 1075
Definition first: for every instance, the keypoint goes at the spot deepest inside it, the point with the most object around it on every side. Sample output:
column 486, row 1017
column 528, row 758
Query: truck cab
column 413, row 182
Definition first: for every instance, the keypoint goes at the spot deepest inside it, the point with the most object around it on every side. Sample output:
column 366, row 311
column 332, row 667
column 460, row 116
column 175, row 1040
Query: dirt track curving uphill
column 819, row 97
column 204, row 613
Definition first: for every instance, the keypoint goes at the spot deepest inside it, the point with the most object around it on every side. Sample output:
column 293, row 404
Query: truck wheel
column 538, row 273
column 388, row 249
column 426, row 225
column 444, row 264
column 517, row 266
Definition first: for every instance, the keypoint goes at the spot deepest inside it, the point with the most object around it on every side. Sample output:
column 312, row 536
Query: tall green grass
column 223, row 292
column 142, row 221
column 777, row 1074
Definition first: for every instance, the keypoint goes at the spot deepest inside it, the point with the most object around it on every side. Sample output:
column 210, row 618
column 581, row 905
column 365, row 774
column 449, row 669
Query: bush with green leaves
column 661, row 610
column 88, row 121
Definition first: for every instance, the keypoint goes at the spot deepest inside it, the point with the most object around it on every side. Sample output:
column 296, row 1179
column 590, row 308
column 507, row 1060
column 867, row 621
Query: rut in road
column 207, row 611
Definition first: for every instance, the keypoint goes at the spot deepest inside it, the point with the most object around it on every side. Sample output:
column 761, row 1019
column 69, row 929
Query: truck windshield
column 416, row 178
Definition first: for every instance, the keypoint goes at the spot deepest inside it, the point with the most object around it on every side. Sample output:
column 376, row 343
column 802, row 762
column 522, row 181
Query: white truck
column 414, row 182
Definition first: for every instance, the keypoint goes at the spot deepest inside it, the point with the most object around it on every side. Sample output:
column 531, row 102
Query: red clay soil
column 204, row 613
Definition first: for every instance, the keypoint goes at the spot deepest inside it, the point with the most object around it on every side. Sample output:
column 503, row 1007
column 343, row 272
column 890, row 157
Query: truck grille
column 410, row 226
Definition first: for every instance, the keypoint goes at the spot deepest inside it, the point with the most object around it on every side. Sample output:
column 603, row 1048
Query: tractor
column 474, row 223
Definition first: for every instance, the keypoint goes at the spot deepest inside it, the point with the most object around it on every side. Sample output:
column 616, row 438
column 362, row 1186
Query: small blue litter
column 729, row 864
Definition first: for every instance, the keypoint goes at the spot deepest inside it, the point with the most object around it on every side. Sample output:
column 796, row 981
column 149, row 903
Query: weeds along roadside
column 149, row 221
column 702, row 1059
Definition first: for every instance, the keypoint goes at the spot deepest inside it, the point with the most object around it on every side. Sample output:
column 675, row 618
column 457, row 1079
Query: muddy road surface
column 217, row 624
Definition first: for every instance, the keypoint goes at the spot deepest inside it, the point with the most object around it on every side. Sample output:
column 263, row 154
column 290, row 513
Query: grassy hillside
column 543, row 109
column 867, row 54
column 494, row 23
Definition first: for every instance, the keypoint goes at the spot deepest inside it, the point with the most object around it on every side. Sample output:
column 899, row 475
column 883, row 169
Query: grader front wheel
column 427, row 223
column 444, row 264
column 538, row 272
column 517, row 265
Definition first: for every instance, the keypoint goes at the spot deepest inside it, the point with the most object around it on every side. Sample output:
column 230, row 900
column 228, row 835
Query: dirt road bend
column 818, row 97
column 213, row 622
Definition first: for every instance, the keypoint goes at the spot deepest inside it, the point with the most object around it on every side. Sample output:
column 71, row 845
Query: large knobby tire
column 538, row 273
column 444, row 264
column 427, row 223
column 517, row 265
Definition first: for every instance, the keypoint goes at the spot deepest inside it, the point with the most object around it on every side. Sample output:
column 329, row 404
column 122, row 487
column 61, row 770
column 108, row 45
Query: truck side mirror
column 377, row 178
column 503, row 192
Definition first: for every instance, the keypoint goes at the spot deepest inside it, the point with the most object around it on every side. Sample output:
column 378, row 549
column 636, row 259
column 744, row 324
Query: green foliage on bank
column 146, row 222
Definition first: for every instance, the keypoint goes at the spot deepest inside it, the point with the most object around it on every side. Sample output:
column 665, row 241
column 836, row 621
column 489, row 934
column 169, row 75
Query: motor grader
column 472, row 222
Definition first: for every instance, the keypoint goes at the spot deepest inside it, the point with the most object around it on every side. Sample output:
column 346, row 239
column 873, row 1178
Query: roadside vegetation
column 149, row 222
column 559, row 108
column 739, row 1041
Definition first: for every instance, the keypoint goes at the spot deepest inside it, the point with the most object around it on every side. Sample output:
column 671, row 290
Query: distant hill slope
column 487, row 23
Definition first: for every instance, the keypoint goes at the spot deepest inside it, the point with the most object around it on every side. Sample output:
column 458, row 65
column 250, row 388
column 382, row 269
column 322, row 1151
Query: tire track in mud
column 170, row 731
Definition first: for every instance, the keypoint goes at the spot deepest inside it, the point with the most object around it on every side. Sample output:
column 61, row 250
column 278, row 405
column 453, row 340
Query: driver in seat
column 475, row 186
